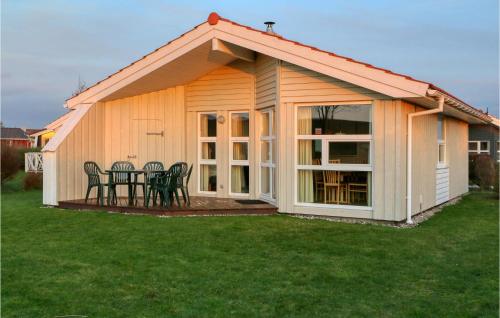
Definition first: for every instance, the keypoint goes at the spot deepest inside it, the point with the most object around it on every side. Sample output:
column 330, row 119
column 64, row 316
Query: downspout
column 409, row 153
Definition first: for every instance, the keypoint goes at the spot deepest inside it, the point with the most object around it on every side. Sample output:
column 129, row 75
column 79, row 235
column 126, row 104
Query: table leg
column 130, row 195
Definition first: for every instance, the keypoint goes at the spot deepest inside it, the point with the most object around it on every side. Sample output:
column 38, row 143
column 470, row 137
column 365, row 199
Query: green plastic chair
column 183, row 186
column 163, row 185
column 94, row 180
column 118, row 178
column 150, row 172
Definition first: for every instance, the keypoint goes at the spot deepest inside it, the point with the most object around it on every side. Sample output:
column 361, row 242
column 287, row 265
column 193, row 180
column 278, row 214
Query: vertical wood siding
column 84, row 143
column 457, row 155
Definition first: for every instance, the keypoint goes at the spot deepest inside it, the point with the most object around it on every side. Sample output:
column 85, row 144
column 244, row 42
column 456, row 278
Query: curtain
column 305, row 151
column 239, row 128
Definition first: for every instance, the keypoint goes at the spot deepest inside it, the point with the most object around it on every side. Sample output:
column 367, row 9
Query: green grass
column 59, row 262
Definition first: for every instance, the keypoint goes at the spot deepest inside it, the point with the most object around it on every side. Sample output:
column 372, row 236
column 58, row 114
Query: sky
column 46, row 46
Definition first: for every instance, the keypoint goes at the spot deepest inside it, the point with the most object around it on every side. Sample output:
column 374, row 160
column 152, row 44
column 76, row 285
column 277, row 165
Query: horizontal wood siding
column 230, row 87
column 84, row 143
column 298, row 84
column 457, row 155
column 265, row 77
column 442, row 185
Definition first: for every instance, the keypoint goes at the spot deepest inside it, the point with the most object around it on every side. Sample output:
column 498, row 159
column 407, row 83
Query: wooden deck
column 199, row 206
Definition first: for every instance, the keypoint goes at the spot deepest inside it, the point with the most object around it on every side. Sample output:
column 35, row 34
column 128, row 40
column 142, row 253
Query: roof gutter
column 458, row 104
column 409, row 153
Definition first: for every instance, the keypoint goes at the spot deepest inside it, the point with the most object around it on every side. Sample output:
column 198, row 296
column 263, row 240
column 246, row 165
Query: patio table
column 131, row 182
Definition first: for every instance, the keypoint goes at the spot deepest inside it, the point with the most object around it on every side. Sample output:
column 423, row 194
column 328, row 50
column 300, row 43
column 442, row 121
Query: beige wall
column 266, row 81
column 457, row 136
column 84, row 143
column 127, row 129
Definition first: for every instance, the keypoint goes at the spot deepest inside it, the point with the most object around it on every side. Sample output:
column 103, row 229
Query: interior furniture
column 331, row 183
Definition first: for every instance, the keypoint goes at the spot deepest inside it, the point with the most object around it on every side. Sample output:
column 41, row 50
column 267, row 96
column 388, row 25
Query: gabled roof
column 362, row 74
column 13, row 133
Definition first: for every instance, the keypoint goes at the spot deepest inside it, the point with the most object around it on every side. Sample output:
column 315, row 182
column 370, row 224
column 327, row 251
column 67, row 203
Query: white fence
column 33, row 162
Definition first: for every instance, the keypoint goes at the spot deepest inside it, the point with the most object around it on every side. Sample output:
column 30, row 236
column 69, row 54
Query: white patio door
column 239, row 138
column 207, row 149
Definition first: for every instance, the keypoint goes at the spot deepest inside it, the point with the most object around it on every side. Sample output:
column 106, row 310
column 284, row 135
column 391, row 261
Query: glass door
column 207, row 146
column 267, row 156
column 238, row 152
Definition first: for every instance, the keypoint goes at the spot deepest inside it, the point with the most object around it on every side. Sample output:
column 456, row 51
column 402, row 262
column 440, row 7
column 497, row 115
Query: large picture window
column 334, row 147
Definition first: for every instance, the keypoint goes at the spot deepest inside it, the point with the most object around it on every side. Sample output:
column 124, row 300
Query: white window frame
column 498, row 151
column 442, row 142
column 202, row 161
column 324, row 156
column 271, row 164
column 478, row 149
column 233, row 162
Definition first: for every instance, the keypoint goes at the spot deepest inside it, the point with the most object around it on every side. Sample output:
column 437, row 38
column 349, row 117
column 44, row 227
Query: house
column 264, row 117
column 15, row 137
column 41, row 137
column 484, row 139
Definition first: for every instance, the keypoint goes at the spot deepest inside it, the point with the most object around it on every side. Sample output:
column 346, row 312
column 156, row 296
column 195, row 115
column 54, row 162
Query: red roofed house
column 264, row 117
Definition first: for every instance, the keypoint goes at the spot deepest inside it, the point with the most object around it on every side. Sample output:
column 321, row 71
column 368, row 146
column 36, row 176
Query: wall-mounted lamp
column 221, row 119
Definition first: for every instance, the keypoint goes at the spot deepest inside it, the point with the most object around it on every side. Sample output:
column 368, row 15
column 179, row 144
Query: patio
column 199, row 206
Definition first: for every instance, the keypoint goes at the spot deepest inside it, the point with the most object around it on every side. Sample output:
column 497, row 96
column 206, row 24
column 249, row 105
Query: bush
column 484, row 171
column 10, row 163
column 33, row 181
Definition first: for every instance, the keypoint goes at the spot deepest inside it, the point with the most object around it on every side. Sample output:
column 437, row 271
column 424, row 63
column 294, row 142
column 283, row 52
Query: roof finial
column 213, row 18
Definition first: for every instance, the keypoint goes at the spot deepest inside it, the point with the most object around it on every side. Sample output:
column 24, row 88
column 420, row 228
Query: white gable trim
column 146, row 65
column 352, row 72
column 73, row 119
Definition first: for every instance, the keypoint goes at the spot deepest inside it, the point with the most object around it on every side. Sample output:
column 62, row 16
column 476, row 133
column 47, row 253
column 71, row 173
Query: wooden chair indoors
column 332, row 186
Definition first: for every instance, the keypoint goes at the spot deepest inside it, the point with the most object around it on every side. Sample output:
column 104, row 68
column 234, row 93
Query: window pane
column 484, row 145
column 208, row 178
column 265, row 148
column 334, row 120
column 208, row 150
column 309, row 152
column 264, row 180
column 441, row 149
column 239, row 179
column 440, row 127
column 472, row 145
column 334, row 187
column 273, row 150
column 349, row 152
column 239, row 125
column 265, row 124
column 208, row 125
column 240, row 150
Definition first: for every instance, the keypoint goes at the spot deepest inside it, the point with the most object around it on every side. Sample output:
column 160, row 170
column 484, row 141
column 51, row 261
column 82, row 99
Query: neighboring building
column 264, row 117
column 484, row 139
column 41, row 137
column 15, row 137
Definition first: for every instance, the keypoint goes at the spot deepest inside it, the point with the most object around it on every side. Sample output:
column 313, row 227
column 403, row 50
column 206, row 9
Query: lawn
column 60, row 262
